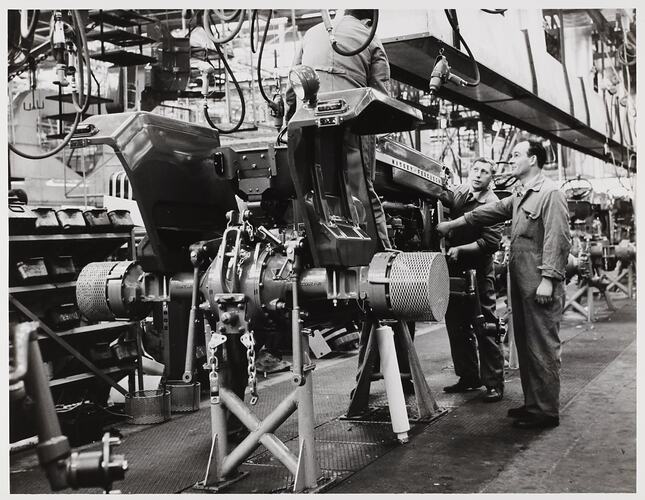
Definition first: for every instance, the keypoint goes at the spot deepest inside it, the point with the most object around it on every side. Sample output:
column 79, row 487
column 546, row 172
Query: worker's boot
column 463, row 386
column 493, row 394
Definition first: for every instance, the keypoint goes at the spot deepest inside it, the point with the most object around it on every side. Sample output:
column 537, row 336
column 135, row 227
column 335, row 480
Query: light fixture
column 305, row 83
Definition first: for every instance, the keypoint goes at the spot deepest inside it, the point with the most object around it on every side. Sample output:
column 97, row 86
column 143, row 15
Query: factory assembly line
column 246, row 247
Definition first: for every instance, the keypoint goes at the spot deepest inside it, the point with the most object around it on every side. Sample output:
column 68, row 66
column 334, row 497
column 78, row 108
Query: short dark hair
column 536, row 149
column 361, row 13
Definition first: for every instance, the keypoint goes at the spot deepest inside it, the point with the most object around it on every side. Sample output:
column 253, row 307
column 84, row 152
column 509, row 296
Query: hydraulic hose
column 84, row 54
column 240, row 93
column 226, row 17
column 370, row 37
column 20, row 32
column 254, row 16
column 454, row 26
column 262, row 43
column 79, row 23
column 209, row 33
column 27, row 30
column 279, row 140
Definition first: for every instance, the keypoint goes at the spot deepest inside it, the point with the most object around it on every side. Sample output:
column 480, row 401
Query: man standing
column 473, row 249
column 369, row 68
column 540, row 243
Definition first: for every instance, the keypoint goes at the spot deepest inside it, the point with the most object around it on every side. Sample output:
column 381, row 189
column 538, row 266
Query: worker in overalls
column 540, row 243
column 473, row 248
column 369, row 68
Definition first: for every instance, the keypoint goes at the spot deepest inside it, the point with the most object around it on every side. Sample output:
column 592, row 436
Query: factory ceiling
column 497, row 97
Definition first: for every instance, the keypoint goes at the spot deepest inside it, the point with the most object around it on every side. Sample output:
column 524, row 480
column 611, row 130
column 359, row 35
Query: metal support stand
column 617, row 282
column 588, row 289
column 426, row 405
column 222, row 465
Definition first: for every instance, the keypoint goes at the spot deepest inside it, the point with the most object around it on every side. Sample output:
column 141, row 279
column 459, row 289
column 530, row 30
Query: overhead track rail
column 411, row 58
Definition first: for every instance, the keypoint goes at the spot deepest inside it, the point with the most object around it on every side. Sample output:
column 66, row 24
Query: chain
column 213, row 377
column 249, row 341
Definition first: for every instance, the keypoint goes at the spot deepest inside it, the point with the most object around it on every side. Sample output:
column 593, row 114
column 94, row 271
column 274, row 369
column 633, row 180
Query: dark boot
column 493, row 394
column 462, row 386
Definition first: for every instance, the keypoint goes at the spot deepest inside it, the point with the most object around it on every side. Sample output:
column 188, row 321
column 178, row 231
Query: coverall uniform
column 463, row 344
column 540, row 243
column 369, row 68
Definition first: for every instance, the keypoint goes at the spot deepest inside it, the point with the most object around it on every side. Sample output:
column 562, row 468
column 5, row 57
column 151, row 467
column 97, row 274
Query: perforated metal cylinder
column 183, row 397
column 91, row 291
column 148, row 407
column 106, row 291
column 410, row 286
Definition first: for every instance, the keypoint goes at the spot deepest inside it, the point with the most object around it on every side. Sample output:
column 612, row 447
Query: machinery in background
column 64, row 469
column 243, row 244
column 596, row 248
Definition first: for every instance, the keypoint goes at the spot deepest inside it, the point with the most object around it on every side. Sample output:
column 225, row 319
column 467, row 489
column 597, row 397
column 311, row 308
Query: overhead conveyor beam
column 412, row 58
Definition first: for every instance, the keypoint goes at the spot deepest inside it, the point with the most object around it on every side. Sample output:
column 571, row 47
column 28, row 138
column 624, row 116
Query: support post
column 360, row 395
column 393, row 387
column 308, row 472
column 513, row 360
column 427, row 406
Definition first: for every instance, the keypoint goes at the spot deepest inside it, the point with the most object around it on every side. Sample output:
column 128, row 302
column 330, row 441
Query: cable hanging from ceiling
column 334, row 43
column 452, row 19
column 240, row 92
column 80, row 96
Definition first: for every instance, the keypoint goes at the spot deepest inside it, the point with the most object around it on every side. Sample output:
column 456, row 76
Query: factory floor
column 470, row 448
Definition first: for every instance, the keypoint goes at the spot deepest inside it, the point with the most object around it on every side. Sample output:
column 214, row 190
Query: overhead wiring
column 227, row 17
column 80, row 29
column 227, row 38
column 364, row 45
column 455, row 27
column 279, row 139
column 21, row 31
column 252, row 25
column 259, row 68
column 239, row 91
column 494, row 11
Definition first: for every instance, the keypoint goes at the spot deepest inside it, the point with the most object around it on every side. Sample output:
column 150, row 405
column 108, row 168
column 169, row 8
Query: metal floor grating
column 171, row 457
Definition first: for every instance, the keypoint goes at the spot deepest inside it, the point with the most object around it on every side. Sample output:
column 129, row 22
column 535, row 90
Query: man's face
column 520, row 161
column 480, row 176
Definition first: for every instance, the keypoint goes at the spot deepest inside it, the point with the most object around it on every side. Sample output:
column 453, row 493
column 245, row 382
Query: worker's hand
column 443, row 228
column 453, row 253
column 544, row 292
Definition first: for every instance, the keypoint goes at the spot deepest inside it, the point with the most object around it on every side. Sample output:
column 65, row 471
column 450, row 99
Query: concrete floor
column 472, row 448
column 593, row 449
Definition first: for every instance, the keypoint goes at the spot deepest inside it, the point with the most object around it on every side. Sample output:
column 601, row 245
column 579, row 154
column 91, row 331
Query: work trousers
column 464, row 344
column 361, row 164
column 536, row 328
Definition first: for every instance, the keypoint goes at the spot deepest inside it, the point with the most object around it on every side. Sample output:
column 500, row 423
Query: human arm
column 290, row 95
column 491, row 213
column 470, row 249
column 556, row 245
column 557, row 236
column 378, row 77
column 486, row 215
column 443, row 228
column 544, row 292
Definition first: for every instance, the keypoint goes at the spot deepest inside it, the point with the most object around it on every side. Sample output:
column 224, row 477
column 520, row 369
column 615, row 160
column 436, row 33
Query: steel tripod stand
column 222, row 465
column 426, row 405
